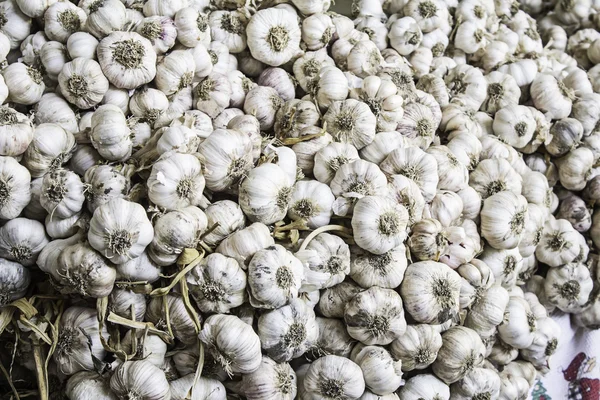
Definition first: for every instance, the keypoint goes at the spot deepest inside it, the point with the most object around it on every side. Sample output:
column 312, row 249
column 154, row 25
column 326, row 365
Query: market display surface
column 249, row 199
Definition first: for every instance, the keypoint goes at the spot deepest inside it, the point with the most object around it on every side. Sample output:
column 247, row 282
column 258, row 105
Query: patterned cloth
column 574, row 372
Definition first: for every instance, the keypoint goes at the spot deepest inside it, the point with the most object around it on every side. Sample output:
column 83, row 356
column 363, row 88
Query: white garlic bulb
column 431, row 291
column 127, row 59
column 312, row 202
column 568, row 287
column 129, row 304
column 274, row 265
column 86, row 385
column 15, row 191
column 332, row 376
column 351, row 121
column 326, row 261
column 174, row 232
column 62, row 193
column 16, row 132
column 334, row 299
column 217, row 284
column 415, row 164
column 232, row 343
column 461, row 352
column 120, row 230
column 273, row 36
column 82, row 83
column 381, row 372
column 379, row 224
column 227, row 157
column 417, row 348
column 110, row 134
column 425, row 386
column 176, row 181
column 503, row 219
column 73, row 353
column 14, row 281
column 140, row 379
column 22, row 240
column 270, row 380
column 375, row 316
column 265, row 193
column 181, row 322
column 25, row 84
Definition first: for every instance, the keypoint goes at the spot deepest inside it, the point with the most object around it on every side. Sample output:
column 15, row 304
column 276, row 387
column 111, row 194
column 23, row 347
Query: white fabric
column 583, row 373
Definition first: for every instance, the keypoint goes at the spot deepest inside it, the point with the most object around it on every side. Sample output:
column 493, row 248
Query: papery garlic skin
column 22, row 240
column 382, row 373
column 16, row 132
column 461, row 351
column 88, row 385
column 417, row 348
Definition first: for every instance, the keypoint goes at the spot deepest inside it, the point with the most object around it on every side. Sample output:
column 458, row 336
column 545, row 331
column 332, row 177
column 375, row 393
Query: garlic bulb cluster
column 271, row 200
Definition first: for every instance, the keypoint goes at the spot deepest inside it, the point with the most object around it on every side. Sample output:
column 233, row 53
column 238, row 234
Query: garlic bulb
column 294, row 116
column 271, row 379
column 227, row 157
column 120, row 230
column 140, row 379
column 25, row 84
column 232, row 343
column 520, row 322
column 180, row 320
column 381, row 372
column 229, row 217
column 311, row 202
column 176, row 181
column 265, row 194
column 62, row 193
column 243, row 244
column 127, row 59
column 289, row 331
column 217, row 284
column 110, row 134
column 333, row 339
column 480, row 382
column 430, row 291
column 202, row 388
column 385, row 270
column 375, row 316
column 334, row 376
column 103, row 183
column 425, row 386
column 334, row 299
column 559, row 244
column 14, row 281
column 273, row 36
column 415, row 164
column 417, row 348
column 22, row 240
column 14, row 188
column 82, row 83
column 503, row 218
column 330, row 158
column 16, row 132
column 129, row 304
column 354, row 180
column 461, row 352
column 379, row 224
column 86, row 385
column 326, row 261
column 174, row 232
column 78, row 340
column 351, row 121
column 568, row 287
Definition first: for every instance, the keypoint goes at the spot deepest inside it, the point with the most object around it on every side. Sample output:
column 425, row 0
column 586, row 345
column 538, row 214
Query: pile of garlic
column 269, row 200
